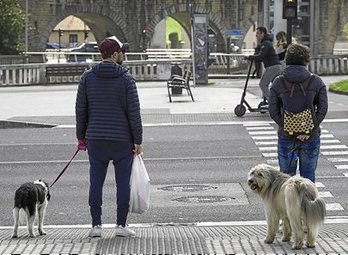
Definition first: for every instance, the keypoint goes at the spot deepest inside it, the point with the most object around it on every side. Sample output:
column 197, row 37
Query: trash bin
column 176, row 70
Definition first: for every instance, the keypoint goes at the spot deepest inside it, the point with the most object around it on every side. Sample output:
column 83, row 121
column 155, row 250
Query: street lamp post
column 60, row 33
column 26, row 25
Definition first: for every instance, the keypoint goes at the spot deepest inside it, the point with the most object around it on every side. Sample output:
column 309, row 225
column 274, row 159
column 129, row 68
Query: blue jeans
column 292, row 151
column 100, row 152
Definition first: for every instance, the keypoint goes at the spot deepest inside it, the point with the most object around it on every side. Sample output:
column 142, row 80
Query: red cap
column 110, row 45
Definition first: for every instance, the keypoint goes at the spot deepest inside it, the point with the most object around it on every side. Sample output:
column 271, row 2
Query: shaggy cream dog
column 291, row 198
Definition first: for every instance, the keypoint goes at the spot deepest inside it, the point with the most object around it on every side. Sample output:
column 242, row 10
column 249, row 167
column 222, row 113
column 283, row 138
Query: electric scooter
column 240, row 109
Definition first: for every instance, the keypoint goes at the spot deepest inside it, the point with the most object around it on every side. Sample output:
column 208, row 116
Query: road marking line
column 34, row 144
column 328, row 220
column 259, row 123
column 319, row 185
column 334, row 207
column 266, row 143
column 340, row 146
column 263, row 132
column 146, row 159
column 268, row 148
column 338, row 159
column 329, row 153
column 260, row 128
column 270, row 155
column 272, row 162
column 327, row 136
column 325, row 194
column 330, row 141
column 342, row 167
column 265, row 138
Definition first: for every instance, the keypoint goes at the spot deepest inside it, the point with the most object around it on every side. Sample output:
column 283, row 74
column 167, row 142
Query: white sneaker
column 124, row 231
column 96, row 231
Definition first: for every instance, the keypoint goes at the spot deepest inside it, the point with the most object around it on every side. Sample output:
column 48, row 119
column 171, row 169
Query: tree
column 345, row 31
column 11, row 27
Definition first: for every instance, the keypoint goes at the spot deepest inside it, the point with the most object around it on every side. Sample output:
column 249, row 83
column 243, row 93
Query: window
column 73, row 38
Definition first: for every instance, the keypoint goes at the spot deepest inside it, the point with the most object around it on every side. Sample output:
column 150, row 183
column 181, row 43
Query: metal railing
column 153, row 66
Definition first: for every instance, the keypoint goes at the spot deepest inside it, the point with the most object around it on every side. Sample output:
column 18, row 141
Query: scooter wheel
column 239, row 110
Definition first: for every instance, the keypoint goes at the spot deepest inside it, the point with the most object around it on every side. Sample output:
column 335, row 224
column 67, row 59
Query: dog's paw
column 286, row 238
column 269, row 240
column 297, row 246
column 42, row 233
column 310, row 245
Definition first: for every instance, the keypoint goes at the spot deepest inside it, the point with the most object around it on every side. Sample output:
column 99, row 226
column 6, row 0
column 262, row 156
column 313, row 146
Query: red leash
column 61, row 173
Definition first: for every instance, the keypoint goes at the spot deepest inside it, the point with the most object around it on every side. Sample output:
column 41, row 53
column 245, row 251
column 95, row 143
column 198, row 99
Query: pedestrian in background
column 270, row 61
column 109, row 126
column 295, row 90
column 280, row 46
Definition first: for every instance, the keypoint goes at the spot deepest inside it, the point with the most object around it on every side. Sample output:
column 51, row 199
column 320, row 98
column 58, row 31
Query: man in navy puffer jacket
column 109, row 126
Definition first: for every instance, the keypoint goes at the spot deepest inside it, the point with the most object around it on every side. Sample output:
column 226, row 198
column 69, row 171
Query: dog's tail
column 314, row 207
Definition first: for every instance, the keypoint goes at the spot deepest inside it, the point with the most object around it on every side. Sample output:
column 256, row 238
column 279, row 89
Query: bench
column 65, row 73
column 183, row 82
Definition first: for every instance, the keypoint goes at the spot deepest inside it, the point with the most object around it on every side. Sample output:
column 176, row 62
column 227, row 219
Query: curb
column 338, row 91
column 4, row 124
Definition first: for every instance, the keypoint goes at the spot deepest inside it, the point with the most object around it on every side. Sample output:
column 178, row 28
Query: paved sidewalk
column 200, row 238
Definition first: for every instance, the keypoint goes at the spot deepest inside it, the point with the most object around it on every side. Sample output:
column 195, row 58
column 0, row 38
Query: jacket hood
column 267, row 37
column 296, row 73
column 109, row 70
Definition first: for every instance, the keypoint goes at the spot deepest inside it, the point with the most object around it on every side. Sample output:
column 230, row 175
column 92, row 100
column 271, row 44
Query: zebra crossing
column 265, row 138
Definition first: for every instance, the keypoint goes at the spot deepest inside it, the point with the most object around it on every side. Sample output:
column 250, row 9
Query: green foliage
column 345, row 30
column 12, row 24
column 341, row 86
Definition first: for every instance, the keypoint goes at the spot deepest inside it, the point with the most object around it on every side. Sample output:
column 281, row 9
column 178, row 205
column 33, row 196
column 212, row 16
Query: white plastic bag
column 139, row 187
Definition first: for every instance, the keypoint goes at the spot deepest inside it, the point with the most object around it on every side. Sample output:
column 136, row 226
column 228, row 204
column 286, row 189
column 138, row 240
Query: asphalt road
column 197, row 161
column 198, row 173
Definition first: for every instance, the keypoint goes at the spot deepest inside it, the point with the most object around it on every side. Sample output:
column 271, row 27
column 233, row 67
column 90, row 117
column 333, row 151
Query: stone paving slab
column 231, row 238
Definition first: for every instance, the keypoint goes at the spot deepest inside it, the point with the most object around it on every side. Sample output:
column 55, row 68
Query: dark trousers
column 100, row 153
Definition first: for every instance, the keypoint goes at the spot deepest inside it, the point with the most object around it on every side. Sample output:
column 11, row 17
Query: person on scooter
column 270, row 61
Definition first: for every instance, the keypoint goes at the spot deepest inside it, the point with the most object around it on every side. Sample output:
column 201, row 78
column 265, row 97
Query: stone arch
column 181, row 13
column 102, row 21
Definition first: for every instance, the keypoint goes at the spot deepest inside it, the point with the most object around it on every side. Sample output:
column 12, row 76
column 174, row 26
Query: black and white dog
column 31, row 199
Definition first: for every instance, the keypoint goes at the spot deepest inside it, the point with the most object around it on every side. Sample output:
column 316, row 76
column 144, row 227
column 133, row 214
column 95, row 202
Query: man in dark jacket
column 296, row 89
column 109, row 126
column 269, row 58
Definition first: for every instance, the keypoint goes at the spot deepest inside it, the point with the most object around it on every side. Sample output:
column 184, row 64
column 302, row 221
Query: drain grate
column 187, row 188
column 203, row 199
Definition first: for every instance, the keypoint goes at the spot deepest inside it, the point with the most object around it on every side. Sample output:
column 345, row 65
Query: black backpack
column 297, row 115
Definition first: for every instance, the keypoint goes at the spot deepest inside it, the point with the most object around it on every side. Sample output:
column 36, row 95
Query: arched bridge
column 127, row 18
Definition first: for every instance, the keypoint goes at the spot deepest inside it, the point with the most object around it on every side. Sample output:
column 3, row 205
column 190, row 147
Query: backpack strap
column 304, row 85
column 283, row 83
column 307, row 83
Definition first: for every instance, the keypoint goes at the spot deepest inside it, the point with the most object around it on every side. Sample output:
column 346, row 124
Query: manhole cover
column 187, row 188
column 203, row 199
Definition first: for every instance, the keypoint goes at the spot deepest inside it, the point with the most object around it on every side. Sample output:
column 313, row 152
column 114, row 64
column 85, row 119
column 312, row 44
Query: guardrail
column 23, row 74
column 144, row 68
column 329, row 65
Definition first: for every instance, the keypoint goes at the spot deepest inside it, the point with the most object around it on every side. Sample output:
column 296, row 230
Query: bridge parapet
column 224, row 65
